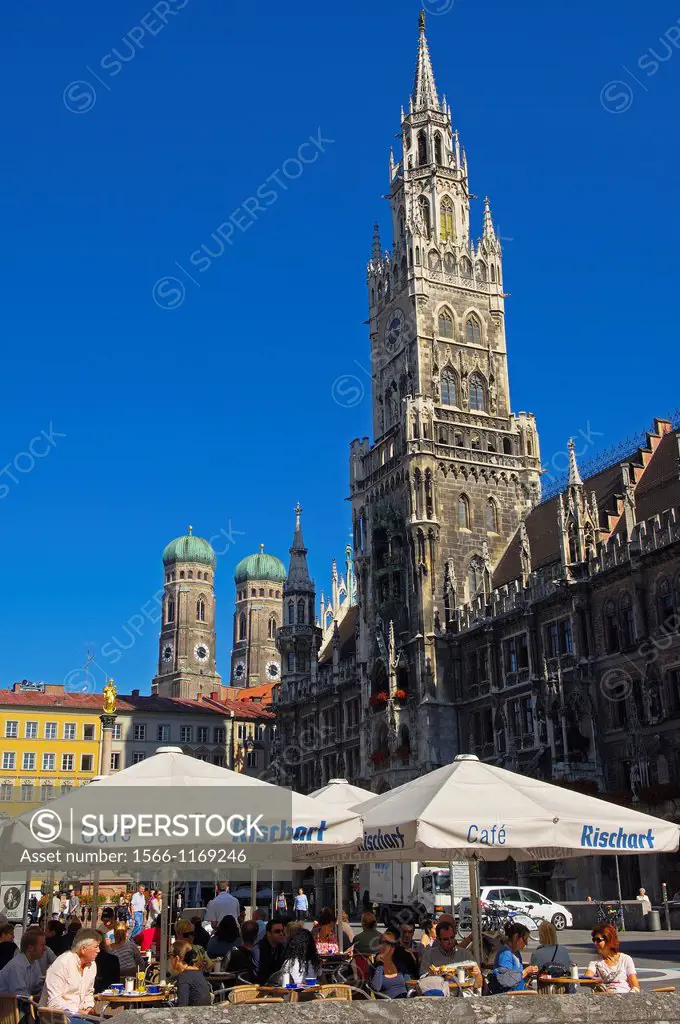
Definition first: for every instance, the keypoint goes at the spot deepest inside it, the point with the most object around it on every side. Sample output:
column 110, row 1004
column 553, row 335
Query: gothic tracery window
column 473, row 330
column 291, row 613
column 611, row 628
column 301, row 610
column 200, row 610
column 438, row 149
column 422, row 148
column 477, row 393
column 170, row 611
column 424, row 204
column 491, row 516
column 242, row 626
column 465, row 267
column 448, row 388
column 445, row 324
column 627, row 621
column 664, row 598
column 463, row 512
column 446, row 217
column 272, row 628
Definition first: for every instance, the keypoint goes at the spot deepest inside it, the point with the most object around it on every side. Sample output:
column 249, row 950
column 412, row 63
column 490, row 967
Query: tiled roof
column 93, row 702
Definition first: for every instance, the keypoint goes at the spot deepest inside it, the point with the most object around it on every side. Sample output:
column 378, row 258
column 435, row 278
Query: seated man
column 22, row 976
column 69, row 982
column 443, row 953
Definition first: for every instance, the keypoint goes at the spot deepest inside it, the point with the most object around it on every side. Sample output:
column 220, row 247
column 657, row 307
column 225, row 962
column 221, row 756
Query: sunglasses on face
column 387, row 942
column 599, row 938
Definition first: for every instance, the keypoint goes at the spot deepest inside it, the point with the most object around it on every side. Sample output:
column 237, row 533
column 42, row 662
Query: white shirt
column 138, row 903
column 646, row 903
column 223, row 905
column 615, row 976
column 66, row 988
column 56, row 905
column 22, row 977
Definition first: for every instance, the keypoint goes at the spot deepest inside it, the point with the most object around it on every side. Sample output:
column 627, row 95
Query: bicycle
column 495, row 918
column 607, row 913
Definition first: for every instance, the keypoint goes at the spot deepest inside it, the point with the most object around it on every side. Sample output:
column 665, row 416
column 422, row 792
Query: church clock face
column 394, row 329
column 201, row 652
column 272, row 670
column 167, row 653
column 239, row 671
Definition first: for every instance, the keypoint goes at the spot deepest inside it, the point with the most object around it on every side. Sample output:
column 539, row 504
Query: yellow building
column 50, row 741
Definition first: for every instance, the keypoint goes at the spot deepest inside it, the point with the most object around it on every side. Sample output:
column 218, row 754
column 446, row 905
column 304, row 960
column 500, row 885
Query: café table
column 133, row 1001
column 547, row 985
column 455, row 989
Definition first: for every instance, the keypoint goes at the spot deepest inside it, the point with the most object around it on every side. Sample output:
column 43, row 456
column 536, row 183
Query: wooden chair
column 522, row 992
column 335, row 992
column 9, row 1010
column 252, row 994
column 47, row 1016
column 664, row 988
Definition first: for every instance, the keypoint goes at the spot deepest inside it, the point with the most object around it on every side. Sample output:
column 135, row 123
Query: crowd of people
column 66, row 964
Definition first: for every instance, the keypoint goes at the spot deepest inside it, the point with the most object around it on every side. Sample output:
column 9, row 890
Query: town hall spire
column 424, row 89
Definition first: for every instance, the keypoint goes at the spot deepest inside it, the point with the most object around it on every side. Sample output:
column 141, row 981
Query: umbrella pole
column 166, row 908
column 273, row 907
column 338, row 903
column 473, row 868
column 253, row 891
column 24, row 922
column 95, row 897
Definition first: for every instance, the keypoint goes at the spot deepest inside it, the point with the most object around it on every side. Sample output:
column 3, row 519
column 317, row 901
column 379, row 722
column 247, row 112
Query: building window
column 28, row 763
column 219, row 734
column 88, row 732
column 291, row 661
column 27, row 791
column 553, row 640
column 446, row 214
column 422, row 148
column 526, row 715
column 200, row 610
column 162, row 734
column 202, row 734
column 445, row 324
column 170, row 610
column 241, row 731
column 251, row 759
column 449, row 388
column 87, row 762
column 627, row 621
column 138, row 756
column 31, row 731
column 117, row 731
column 218, row 760
column 438, row 148
column 491, row 516
column 139, row 733
column 46, row 792
column 70, row 731
column 242, row 626
column 50, row 730
column 11, row 730
column 301, row 610
column 473, row 330
column 6, row 793
column 65, row 788
column 272, row 628
column 424, row 206
column 67, row 762
column 49, row 762
column 463, row 512
column 186, row 733
column 664, row 599
column 611, row 628
column 516, row 653
column 476, row 393
column 115, row 761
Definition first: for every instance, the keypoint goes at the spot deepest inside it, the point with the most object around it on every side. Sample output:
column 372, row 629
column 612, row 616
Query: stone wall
column 578, row 1009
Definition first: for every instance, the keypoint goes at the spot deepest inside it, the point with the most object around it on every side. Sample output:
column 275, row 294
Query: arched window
column 463, row 512
column 272, row 628
column 301, row 610
column 434, row 261
column 465, row 267
column 445, row 324
column 417, row 256
column 199, row 575
column 627, row 621
column 200, row 610
column 253, row 592
column 481, row 271
column 449, row 396
column 491, row 516
column 493, row 273
column 242, row 626
column 422, row 148
column 458, row 439
column 446, row 213
column 170, row 610
column 181, row 574
column 611, row 628
column 401, row 222
column 507, row 446
column 190, row 574
column 476, row 393
column 438, row 151
column 530, row 446
column 473, row 330
column 291, row 613
column 491, row 445
column 424, row 204
column 475, row 442
column 449, row 263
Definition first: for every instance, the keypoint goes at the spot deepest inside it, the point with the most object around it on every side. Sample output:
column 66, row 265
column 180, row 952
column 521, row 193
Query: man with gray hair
column 69, row 982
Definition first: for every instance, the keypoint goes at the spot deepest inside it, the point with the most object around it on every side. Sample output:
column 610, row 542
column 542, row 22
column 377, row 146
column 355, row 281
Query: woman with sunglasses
column 616, row 969
column 387, row 978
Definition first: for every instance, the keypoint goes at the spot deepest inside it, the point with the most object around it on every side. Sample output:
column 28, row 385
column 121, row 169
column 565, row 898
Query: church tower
column 452, row 470
column 186, row 650
column 254, row 658
column 299, row 638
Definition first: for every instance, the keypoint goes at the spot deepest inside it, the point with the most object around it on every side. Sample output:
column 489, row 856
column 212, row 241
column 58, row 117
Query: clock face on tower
column 167, row 653
column 239, row 671
column 272, row 670
column 201, row 652
column 394, row 329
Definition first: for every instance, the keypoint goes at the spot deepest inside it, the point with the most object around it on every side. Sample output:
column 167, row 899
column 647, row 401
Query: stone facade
column 257, row 617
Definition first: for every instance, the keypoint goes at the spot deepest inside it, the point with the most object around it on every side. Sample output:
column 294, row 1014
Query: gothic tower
column 186, row 650
column 254, row 658
column 452, row 469
column 299, row 638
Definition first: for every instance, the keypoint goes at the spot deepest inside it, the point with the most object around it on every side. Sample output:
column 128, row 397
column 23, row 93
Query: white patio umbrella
column 169, row 768
column 475, row 811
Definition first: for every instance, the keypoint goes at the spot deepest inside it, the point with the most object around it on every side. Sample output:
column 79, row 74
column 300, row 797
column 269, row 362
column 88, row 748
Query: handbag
column 552, row 969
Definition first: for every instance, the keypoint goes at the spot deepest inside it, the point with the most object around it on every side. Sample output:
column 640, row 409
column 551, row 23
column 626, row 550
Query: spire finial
column 424, row 90
column 574, row 475
column 421, row 20
column 376, row 251
column 190, row 529
column 298, row 512
column 262, row 548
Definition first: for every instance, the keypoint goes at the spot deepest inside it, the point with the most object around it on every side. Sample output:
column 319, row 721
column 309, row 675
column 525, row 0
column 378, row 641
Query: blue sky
column 219, row 411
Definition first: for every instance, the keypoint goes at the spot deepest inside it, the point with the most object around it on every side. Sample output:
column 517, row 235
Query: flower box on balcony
column 401, row 696
column 378, row 700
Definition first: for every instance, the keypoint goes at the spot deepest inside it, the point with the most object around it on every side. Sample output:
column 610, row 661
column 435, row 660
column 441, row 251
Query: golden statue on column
column 109, row 695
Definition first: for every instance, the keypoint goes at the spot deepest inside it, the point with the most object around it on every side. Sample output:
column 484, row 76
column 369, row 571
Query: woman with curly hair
column 325, row 934
column 300, row 958
column 192, row 987
column 614, row 968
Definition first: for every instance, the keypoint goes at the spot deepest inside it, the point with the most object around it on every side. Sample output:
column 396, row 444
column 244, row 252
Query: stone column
column 107, row 738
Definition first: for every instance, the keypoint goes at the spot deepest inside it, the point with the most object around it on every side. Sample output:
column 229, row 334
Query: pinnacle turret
column 489, row 232
column 376, row 251
column 574, row 475
column 424, row 89
column 298, row 578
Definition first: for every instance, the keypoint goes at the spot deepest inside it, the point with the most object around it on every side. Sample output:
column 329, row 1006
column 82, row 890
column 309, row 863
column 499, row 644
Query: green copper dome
column 260, row 567
column 189, row 549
